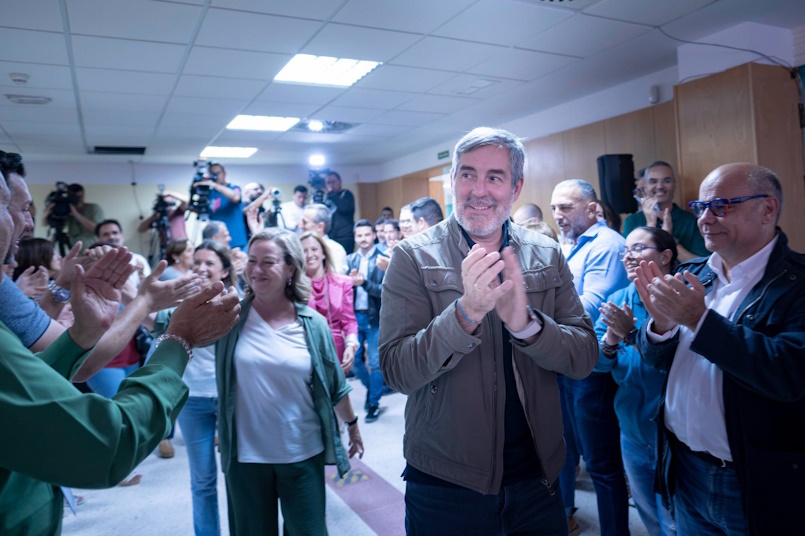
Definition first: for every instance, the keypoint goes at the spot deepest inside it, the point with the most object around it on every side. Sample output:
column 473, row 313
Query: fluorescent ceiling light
column 262, row 122
column 324, row 70
column 228, row 152
column 316, row 160
column 315, row 125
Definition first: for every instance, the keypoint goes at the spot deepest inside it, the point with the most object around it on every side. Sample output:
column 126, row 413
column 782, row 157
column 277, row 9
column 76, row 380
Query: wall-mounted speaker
column 616, row 182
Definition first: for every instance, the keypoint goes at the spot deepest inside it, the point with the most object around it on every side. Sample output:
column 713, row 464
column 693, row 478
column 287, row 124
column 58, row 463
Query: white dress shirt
column 694, row 404
column 361, row 296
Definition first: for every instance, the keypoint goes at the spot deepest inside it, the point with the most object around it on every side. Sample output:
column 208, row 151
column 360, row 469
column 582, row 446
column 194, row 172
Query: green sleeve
column 63, row 356
column 632, row 222
column 64, row 437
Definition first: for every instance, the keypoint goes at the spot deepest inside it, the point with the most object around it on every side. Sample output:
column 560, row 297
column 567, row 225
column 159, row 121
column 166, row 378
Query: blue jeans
column 707, row 499
column 591, row 403
column 567, row 477
column 640, row 462
column 525, row 507
column 198, row 421
column 107, row 381
column 372, row 379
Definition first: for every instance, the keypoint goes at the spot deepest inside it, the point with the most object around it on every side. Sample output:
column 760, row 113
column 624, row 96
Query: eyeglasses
column 720, row 206
column 635, row 251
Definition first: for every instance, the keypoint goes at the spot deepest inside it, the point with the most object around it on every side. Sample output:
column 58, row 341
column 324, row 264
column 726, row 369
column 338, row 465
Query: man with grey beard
column 478, row 316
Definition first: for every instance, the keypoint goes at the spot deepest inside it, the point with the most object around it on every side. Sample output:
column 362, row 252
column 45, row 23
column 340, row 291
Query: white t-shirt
column 200, row 373
column 274, row 415
column 291, row 214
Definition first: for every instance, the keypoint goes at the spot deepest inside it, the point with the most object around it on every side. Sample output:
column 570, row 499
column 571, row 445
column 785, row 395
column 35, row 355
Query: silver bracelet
column 176, row 338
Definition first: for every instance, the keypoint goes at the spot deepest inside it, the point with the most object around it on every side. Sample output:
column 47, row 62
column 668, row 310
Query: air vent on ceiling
column 327, row 127
column 99, row 149
column 27, row 99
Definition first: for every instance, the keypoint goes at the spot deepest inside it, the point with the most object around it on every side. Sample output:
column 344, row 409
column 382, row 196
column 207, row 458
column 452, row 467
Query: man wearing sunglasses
column 730, row 331
column 657, row 209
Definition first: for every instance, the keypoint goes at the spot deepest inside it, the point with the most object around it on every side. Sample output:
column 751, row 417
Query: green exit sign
column 443, row 155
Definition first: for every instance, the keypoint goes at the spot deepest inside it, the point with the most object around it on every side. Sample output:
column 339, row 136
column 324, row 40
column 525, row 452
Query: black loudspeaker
column 616, row 182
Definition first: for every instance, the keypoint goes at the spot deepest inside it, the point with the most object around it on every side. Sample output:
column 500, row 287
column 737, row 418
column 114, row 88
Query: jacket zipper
column 760, row 296
column 495, row 407
column 544, row 479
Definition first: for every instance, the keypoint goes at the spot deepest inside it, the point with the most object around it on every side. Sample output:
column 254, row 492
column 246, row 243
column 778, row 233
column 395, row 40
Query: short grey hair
column 586, row 190
column 321, row 214
column 212, row 229
column 765, row 181
column 483, row 136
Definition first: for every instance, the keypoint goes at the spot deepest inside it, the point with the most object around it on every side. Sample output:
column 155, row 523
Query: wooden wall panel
column 368, row 206
column 779, row 142
column 389, row 194
column 665, row 146
column 714, row 125
column 632, row 133
column 581, row 147
column 545, row 168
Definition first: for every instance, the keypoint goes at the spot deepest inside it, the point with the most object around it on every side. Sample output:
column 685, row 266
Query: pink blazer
column 341, row 311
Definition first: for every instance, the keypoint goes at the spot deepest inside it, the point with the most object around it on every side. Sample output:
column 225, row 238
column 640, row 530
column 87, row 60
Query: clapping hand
column 206, row 316
column 254, row 219
column 668, row 298
column 619, row 321
column 33, row 282
column 164, row 294
column 96, row 295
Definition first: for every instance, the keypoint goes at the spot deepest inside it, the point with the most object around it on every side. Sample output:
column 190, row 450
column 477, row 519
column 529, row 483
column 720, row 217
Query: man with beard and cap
column 478, row 317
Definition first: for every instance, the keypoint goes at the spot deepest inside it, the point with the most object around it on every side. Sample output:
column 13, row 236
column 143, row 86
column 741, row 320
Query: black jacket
column 342, row 212
column 373, row 284
column 761, row 351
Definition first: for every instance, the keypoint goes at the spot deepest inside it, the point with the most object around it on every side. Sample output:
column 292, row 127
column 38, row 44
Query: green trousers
column 254, row 488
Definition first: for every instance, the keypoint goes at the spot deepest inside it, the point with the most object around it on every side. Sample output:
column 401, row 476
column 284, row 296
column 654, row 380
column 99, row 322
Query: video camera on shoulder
column 200, row 193
column 317, row 182
column 60, row 200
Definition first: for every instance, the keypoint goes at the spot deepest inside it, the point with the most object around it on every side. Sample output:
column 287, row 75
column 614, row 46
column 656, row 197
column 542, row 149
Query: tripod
column 60, row 238
column 160, row 236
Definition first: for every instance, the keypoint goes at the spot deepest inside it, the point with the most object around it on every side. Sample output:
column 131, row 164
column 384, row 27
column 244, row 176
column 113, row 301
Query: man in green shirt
column 659, row 210
column 56, row 436
column 83, row 217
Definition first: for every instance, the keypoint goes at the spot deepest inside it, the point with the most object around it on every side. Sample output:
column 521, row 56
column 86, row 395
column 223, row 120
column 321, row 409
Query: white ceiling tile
column 347, row 114
column 115, row 117
column 114, row 81
column 653, row 12
column 62, row 98
column 18, row 129
column 354, row 42
column 300, row 93
column 249, row 31
column 522, row 64
column 281, row 109
column 112, row 134
column 372, row 98
column 307, row 9
column 311, row 137
column 134, row 19
column 414, row 119
column 32, row 14
column 42, row 76
column 574, row 5
column 243, row 138
column 420, row 16
column 518, row 19
column 17, row 112
column 437, row 104
column 192, row 105
column 446, row 54
column 126, row 54
column 33, row 47
column 379, row 130
column 235, row 63
column 462, row 82
column 403, row 78
column 96, row 100
column 583, row 36
column 218, row 88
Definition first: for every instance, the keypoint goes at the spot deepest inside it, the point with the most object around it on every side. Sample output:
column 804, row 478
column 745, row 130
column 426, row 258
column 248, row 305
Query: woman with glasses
column 639, row 385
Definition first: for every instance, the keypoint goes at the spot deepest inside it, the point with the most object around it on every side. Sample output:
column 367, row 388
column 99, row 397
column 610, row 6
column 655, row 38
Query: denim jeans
column 198, row 421
column 567, row 477
column 372, row 379
column 107, row 381
column 591, row 403
column 526, row 507
column 707, row 499
column 640, row 462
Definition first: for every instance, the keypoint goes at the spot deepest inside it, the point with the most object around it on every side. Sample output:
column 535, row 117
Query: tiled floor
column 370, row 503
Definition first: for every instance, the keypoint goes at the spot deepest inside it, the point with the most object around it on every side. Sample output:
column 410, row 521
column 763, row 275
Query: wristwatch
column 60, row 294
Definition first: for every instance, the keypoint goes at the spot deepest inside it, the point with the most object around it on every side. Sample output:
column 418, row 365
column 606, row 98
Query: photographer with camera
column 292, row 210
column 171, row 206
column 342, row 210
column 224, row 203
column 66, row 206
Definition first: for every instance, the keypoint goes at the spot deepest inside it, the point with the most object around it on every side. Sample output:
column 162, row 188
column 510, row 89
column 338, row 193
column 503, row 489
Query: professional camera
column 200, row 193
column 161, row 205
column 60, row 200
column 316, row 178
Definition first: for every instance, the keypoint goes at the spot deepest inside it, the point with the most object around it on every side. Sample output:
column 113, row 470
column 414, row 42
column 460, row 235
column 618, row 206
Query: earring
column 289, row 282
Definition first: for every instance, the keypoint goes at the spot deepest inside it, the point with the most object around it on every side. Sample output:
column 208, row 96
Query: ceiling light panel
column 228, row 152
column 262, row 122
column 324, row 70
